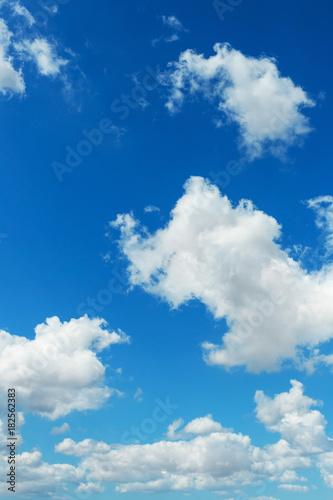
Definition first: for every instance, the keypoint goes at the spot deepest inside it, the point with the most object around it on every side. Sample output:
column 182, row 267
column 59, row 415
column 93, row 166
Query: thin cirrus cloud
column 248, row 91
column 47, row 371
column 173, row 23
column 206, row 456
column 176, row 27
column 43, row 54
column 230, row 258
column 20, row 10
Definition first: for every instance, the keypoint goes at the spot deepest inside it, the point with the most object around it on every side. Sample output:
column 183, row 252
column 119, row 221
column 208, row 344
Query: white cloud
column 229, row 257
column 19, row 46
column 297, row 488
column 40, row 479
column 22, row 11
column 89, row 489
column 250, row 92
column 290, row 476
column 11, row 79
column 138, row 395
column 151, row 208
column 198, row 427
column 289, row 414
column 323, row 207
column 86, row 447
column 263, row 498
column 172, row 38
column 208, row 457
column 60, row 430
column 173, row 428
column 202, row 426
column 172, row 22
column 175, row 25
column 205, row 462
column 47, row 371
column 43, row 53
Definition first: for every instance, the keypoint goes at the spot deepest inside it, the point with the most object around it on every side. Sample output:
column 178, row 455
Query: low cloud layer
column 206, row 456
column 200, row 455
column 229, row 257
column 249, row 91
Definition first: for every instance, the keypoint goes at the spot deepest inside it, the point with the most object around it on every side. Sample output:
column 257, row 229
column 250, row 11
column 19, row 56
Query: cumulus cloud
column 47, row 371
column 230, row 258
column 249, row 91
column 289, row 414
column 86, row 447
column 40, row 479
column 206, row 456
column 205, row 462
column 199, row 427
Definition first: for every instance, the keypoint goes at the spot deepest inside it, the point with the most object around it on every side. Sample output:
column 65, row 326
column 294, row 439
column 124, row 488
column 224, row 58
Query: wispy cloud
column 21, row 44
column 173, row 23
column 60, row 430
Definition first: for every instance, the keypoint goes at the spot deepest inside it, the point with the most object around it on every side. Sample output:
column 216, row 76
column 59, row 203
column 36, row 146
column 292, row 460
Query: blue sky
column 163, row 107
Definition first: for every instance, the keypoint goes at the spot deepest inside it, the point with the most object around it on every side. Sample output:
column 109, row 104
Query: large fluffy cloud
column 229, row 257
column 249, row 91
column 206, row 456
column 59, row 371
